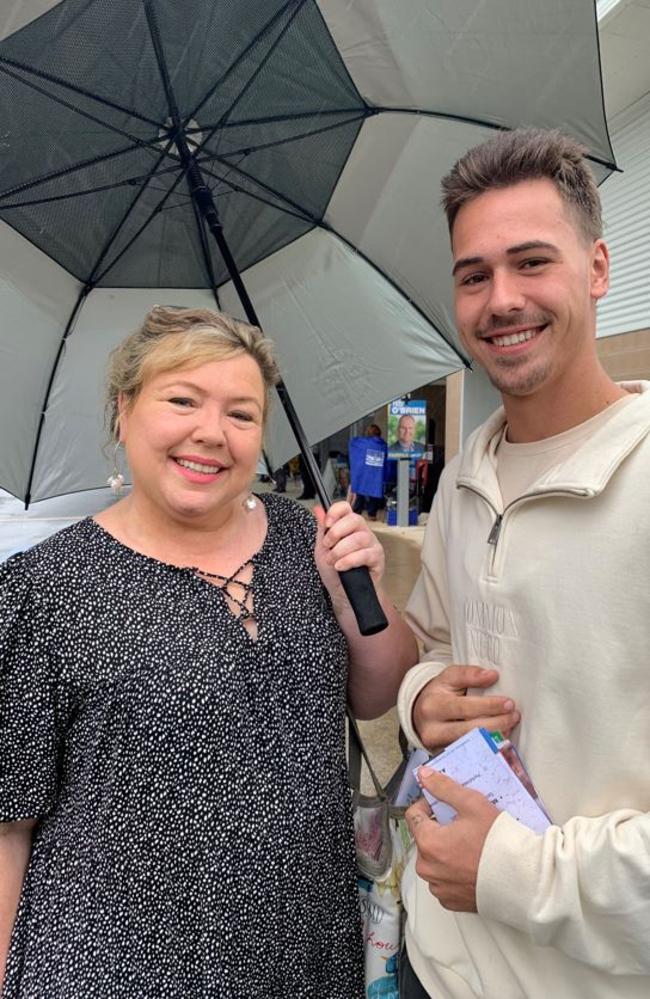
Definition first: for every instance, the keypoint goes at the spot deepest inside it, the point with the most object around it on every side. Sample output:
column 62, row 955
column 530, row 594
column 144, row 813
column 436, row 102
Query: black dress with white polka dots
column 194, row 835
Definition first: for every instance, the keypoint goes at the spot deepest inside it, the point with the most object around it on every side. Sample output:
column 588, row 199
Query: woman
column 173, row 682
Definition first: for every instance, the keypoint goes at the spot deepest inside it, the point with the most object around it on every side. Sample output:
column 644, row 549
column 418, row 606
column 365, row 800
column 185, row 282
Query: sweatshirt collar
column 587, row 470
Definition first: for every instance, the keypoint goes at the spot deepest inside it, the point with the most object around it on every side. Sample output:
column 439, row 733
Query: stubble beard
column 508, row 381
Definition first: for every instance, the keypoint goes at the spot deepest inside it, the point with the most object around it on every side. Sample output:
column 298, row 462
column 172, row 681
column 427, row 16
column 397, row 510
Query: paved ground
column 20, row 529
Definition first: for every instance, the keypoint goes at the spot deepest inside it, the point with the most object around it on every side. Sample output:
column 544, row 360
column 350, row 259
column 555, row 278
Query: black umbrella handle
column 357, row 583
column 360, row 591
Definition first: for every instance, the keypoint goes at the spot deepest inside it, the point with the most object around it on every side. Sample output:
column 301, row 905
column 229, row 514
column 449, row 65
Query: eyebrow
column 531, row 244
column 245, row 399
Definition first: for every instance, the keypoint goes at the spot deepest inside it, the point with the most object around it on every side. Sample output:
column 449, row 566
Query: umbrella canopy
column 321, row 131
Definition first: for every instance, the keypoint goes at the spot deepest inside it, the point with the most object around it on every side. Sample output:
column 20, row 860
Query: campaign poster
column 407, row 427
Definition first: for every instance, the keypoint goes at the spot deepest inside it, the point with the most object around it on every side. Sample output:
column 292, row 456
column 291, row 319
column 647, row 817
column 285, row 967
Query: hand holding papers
column 465, row 788
column 487, row 763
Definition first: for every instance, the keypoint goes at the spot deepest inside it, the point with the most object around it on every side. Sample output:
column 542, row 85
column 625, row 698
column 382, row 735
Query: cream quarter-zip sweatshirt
column 554, row 592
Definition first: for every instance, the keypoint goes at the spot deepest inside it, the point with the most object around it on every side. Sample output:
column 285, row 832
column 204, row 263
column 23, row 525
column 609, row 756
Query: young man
column 533, row 609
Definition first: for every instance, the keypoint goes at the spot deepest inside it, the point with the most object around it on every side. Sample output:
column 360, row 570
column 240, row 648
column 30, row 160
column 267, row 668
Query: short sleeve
column 28, row 701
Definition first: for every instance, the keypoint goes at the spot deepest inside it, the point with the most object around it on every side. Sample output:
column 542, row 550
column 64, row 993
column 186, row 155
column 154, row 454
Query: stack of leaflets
column 486, row 762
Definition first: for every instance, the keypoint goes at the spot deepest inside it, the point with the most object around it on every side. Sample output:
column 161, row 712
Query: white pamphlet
column 490, row 764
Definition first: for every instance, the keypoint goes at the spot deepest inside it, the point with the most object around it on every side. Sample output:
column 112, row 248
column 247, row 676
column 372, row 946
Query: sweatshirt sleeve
column 582, row 888
column 427, row 612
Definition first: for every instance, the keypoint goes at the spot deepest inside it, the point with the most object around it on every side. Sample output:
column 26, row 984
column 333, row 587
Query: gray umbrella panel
column 353, row 329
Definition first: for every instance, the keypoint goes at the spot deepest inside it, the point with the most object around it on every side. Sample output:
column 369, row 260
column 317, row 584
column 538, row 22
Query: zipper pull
column 496, row 528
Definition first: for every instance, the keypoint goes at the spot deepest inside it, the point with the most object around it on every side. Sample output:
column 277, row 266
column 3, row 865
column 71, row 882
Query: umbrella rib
column 66, row 197
column 321, row 224
column 304, row 212
column 220, row 180
column 129, row 182
column 144, row 183
column 258, row 69
column 155, row 211
column 83, row 294
column 273, row 119
column 289, row 138
column 150, row 146
column 326, row 227
column 118, row 228
column 19, row 188
column 467, row 120
column 66, row 85
column 85, row 291
column 236, row 189
column 242, row 55
column 602, row 91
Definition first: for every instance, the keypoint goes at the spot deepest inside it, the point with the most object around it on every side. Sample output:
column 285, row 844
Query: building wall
column 471, row 398
column 453, row 423
column 626, row 216
column 626, row 357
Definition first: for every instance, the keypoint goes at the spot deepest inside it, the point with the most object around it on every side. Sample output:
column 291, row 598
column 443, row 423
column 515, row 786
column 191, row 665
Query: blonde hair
column 527, row 154
column 172, row 338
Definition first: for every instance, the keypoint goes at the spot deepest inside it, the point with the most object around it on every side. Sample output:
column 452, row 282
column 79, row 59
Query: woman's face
column 193, row 437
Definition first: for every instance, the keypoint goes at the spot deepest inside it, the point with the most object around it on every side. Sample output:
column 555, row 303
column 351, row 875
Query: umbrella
column 279, row 159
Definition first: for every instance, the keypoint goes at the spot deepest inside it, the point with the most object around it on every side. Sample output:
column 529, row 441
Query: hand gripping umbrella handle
column 359, row 587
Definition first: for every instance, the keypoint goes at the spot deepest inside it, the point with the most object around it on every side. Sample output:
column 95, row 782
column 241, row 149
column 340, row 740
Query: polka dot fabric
column 195, row 835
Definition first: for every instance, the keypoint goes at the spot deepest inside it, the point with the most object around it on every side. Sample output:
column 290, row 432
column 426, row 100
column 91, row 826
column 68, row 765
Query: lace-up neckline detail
column 238, row 591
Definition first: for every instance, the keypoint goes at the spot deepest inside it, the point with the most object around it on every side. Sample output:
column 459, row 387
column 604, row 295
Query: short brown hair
column 171, row 338
column 527, row 154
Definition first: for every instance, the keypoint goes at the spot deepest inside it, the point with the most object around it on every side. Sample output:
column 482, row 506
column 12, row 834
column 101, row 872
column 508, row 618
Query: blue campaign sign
column 412, row 407
column 407, row 427
column 367, row 458
column 407, row 435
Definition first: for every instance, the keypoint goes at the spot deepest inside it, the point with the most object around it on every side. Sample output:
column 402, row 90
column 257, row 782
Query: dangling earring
column 115, row 479
column 249, row 503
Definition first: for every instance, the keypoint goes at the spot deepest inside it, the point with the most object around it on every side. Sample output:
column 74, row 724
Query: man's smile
column 512, row 340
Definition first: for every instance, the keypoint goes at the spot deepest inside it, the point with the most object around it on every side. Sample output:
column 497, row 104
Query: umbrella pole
column 205, row 202
column 356, row 582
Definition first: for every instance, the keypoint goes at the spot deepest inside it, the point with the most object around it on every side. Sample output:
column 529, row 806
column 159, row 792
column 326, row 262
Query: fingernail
column 508, row 706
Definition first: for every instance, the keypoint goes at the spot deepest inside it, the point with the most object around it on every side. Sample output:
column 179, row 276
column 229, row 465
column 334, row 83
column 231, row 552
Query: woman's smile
column 198, row 469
